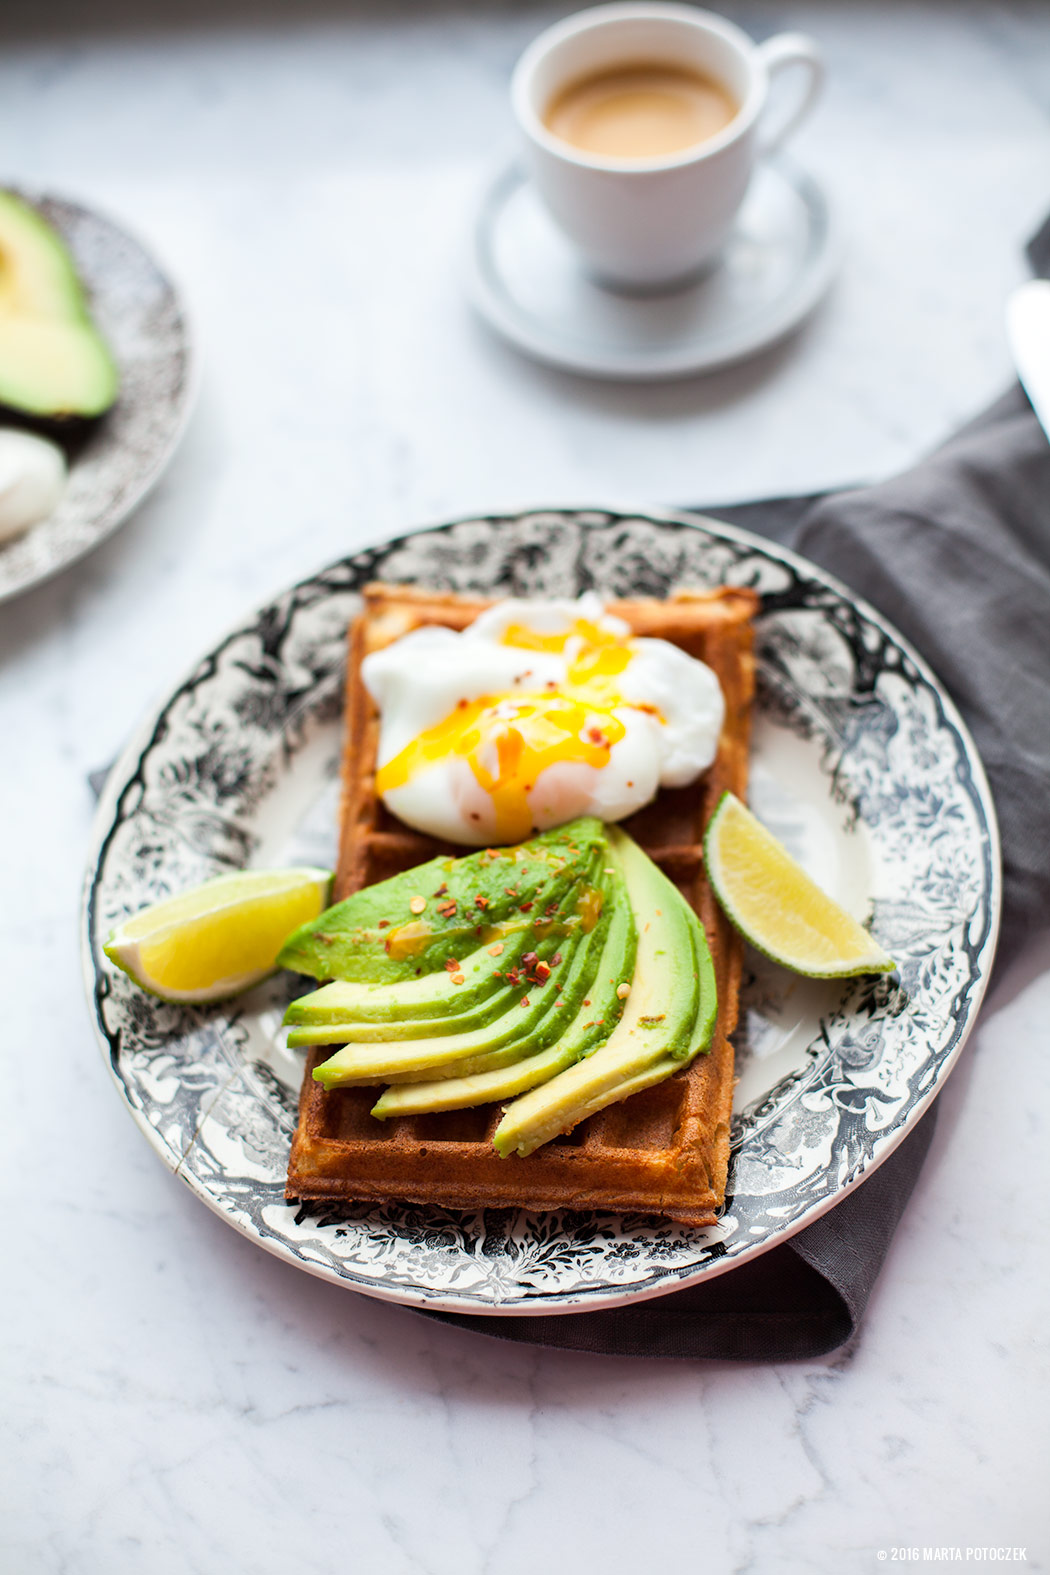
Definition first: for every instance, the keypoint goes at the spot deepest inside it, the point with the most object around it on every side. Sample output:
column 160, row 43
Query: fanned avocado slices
column 665, row 1024
column 418, row 921
column 487, row 983
column 537, row 1016
column 594, row 1018
column 600, row 983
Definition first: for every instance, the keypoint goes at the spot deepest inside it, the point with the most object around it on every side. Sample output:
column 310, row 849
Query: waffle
column 664, row 1151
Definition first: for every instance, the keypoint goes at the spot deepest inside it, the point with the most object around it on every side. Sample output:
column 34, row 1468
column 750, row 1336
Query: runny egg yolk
column 509, row 739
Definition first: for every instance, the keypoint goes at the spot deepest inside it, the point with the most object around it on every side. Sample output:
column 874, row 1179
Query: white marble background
column 175, row 1400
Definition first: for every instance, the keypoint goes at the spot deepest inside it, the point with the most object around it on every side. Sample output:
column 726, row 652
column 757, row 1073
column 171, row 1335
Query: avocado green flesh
column 53, row 361
column 342, row 1012
column 578, row 1010
column 55, row 368
column 666, row 1067
column 615, row 966
column 430, row 997
column 521, row 1029
column 361, row 939
column 37, row 276
column 659, row 1021
column 358, row 1030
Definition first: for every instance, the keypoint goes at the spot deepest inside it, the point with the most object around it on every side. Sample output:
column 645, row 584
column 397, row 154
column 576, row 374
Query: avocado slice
column 498, row 986
column 53, row 361
column 433, row 1004
column 532, row 1020
column 659, row 1022
column 405, row 1001
column 615, row 967
column 504, row 995
column 535, row 1015
column 377, row 936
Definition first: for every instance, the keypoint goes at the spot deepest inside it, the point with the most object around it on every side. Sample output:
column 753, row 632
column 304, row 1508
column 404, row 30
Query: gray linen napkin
column 957, row 554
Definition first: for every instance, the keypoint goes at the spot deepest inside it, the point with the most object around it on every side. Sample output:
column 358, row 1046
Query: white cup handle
column 778, row 54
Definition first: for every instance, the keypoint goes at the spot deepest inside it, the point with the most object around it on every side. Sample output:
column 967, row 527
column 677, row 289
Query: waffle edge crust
column 663, row 1152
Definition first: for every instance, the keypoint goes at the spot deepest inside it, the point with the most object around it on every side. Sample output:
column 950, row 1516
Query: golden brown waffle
column 664, row 1151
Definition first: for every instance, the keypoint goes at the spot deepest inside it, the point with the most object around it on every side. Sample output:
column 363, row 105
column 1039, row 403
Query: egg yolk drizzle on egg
column 509, row 739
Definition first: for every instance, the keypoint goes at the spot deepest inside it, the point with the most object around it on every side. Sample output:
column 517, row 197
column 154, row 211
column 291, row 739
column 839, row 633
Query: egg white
column 419, row 680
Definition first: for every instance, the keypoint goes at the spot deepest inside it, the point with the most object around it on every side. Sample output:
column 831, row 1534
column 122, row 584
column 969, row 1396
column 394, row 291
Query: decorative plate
column 860, row 762
column 120, row 456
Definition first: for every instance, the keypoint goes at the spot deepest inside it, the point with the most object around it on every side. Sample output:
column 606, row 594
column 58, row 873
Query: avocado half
column 54, row 363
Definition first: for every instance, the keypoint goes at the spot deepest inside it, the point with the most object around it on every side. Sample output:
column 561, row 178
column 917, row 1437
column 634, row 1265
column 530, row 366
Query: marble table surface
column 176, row 1400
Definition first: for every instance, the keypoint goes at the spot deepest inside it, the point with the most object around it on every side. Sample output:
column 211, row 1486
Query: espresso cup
column 650, row 223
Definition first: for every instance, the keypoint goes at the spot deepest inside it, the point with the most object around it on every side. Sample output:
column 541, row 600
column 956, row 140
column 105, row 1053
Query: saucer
column 527, row 283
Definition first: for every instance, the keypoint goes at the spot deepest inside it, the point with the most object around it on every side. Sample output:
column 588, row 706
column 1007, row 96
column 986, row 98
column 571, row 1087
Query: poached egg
column 32, row 478
column 537, row 712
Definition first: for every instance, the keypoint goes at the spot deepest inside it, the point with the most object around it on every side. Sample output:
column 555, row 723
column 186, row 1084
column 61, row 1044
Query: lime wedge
column 776, row 906
column 218, row 938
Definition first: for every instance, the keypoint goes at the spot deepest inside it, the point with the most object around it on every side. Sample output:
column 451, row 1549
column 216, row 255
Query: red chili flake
column 550, row 909
column 382, row 924
column 524, row 1001
column 441, row 889
column 512, row 891
column 596, row 736
column 513, row 976
column 529, row 960
column 556, row 959
column 586, row 1003
column 447, row 909
column 474, row 815
column 481, row 902
column 599, row 1021
column 524, row 907
column 461, row 705
column 452, row 965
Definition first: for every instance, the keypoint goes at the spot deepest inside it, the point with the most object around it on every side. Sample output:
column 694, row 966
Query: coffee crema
column 643, row 111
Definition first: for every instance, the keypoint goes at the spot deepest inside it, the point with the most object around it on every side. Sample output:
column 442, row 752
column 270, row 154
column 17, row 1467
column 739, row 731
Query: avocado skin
column 347, row 942
column 54, row 364
column 661, row 1022
column 586, row 1028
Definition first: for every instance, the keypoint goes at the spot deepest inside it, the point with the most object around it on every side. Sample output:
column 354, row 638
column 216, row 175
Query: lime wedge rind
column 777, row 907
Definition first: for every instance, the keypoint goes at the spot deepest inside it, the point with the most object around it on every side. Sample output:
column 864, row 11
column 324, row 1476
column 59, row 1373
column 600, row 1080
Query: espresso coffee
column 642, row 111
